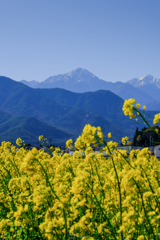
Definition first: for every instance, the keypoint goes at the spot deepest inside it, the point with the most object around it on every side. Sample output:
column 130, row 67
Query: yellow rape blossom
column 52, row 148
column 19, row 141
column 88, row 135
column 156, row 130
column 100, row 134
column 156, row 118
column 69, row 144
column 79, row 143
column 138, row 105
column 128, row 107
column 99, row 129
column 34, row 150
column 95, row 145
column 41, row 138
column 124, row 140
column 141, row 237
column 109, row 135
column 144, row 107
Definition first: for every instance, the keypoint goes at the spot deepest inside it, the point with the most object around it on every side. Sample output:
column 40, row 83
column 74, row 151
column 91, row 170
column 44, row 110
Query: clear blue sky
column 116, row 40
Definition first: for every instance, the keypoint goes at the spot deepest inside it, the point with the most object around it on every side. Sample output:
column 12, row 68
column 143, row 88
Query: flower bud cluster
column 128, row 107
column 88, row 134
column 19, row 142
column 87, row 137
column 124, row 140
column 156, row 118
column 69, row 144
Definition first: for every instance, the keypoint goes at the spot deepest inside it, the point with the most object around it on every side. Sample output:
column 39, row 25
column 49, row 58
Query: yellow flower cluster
column 49, row 196
column 128, row 107
column 100, row 134
column 88, row 134
column 52, row 148
column 156, row 118
column 79, row 143
column 138, row 105
column 69, row 144
column 41, row 138
column 19, row 141
column 88, row 137
column 156, row 130
column 109, row 135
column 124, row 140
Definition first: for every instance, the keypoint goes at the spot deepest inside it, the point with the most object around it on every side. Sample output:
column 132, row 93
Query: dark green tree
column 149, row 137
column 139, row 140
column 135, row 137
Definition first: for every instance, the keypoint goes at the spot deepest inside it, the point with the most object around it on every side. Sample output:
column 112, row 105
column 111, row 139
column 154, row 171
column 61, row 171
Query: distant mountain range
column 151, row 86
column 145, row 90
column 144, row 83
column 61, row 114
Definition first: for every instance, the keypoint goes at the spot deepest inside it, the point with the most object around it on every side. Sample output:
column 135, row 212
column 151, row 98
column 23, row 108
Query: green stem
column 145, row 120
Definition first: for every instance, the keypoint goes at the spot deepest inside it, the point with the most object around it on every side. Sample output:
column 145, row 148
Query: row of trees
column 146, row 137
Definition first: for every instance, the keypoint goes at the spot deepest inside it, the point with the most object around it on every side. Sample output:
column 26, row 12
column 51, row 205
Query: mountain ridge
column 148, row 79
column 103, row 103
column 81, row 80
column 149, row 85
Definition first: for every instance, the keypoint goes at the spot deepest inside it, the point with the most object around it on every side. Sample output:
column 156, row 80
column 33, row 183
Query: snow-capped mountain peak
column 148, row 79
column 79, row 73
column 146, row 76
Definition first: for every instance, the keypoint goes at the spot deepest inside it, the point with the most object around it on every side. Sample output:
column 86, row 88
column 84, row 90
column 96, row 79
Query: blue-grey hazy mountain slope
column 19, row 99
column 81, row 80
column 29, row 129
column 102, row 102
column 147, row 84
column 153, row 106
column 32, row 83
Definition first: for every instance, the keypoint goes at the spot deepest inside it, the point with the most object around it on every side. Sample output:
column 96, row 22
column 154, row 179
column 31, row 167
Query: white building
column 157, row 151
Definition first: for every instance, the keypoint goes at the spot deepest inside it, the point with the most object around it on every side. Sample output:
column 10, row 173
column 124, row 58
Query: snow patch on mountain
column 148, row 79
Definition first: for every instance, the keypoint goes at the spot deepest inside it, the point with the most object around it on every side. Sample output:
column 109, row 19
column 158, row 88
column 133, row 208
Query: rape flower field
column 54, row 197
